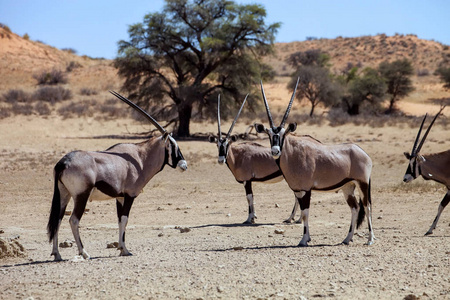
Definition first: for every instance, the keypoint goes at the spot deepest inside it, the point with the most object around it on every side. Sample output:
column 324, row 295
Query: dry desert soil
column 218, row 257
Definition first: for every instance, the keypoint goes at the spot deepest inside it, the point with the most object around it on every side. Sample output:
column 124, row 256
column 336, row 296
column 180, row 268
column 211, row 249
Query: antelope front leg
column 441, row 207
column 251, row 209
column 123, row 210
column 304, row 199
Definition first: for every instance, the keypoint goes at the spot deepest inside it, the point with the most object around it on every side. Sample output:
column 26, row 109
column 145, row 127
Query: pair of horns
column 286, row 114
column 416, row 148
column 143, row 112
column 234, row 121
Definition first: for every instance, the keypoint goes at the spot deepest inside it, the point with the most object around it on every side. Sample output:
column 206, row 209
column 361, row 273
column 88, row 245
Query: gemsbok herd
column 307, row 165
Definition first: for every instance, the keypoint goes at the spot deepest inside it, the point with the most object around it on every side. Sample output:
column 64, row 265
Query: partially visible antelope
column 308, row 165
column 248, row 162
column 435, row 166
column 120, row 172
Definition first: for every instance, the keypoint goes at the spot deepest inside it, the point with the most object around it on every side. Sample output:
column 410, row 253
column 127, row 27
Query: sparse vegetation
column 397, row 75
column 26, row 36
column 5, row 27
column 52, row 94
column 88, row 92
column 72, row 66
column 51, row 77
column 16, row 96
column 444, row 75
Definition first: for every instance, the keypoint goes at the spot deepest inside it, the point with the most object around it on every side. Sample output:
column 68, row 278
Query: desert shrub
column 16, row 96
column 5, row 27
column 72, row 66
column 5, row 112
column 52, row 94
column 42, row 108
column 52, row 77
column 110, row 111
column 22, row 109
column 88, row 92
column 70, row 50
column 26, row 36
column 77, row 109
column 423, row 72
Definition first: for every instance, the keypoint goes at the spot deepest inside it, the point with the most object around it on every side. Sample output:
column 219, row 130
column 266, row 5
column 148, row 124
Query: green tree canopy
column 181, row 58
column 316, row 85
column 359, row 88
column 444, row 75
column 397, row 75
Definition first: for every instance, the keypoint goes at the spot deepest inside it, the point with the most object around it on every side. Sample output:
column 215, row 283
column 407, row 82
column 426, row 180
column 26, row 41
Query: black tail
column 362, row 211
column 55, row 211
column 361, row 214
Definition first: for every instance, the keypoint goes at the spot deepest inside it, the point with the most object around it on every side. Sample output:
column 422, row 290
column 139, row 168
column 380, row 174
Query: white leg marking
column 306, row 238
column 74, row 222
column 122, row 226
column 251, row 210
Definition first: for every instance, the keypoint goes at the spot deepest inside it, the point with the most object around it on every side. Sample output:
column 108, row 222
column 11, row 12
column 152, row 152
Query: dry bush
column 5, row 112
column 52, row 77
column 88, row 92
column 22, row 109
column 77, row 109
column 42, row 108
column 72, row 66
column 16, row 96
column 52, row 94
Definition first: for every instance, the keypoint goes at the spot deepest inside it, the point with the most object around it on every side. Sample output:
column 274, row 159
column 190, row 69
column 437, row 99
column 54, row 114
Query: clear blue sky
column 93, row 27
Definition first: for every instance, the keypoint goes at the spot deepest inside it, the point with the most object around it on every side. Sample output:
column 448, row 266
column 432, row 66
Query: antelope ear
column 407, row 155
column 234, row 137
column 212, row 139
column 291, row 127
column 259, row 128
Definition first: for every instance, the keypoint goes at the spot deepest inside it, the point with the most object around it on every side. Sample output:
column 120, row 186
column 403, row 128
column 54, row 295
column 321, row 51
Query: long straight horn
column 428, row 130
column 235, row 119
column 143, row 112
column 290, row 105
column 218, row 117
column 413, row 151
column 269, row 115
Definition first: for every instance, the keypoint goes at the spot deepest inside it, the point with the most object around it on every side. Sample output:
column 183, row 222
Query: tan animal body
column 309, row 165
column 248, row 162
column 435, row 166
column 119, row 172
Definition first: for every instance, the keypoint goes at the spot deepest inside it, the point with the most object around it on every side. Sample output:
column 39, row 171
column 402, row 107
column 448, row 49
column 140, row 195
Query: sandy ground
column 219, row 257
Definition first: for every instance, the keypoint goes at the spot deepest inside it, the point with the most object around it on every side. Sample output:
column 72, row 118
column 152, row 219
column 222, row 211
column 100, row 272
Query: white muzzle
column 276, row 152
column 182, row 165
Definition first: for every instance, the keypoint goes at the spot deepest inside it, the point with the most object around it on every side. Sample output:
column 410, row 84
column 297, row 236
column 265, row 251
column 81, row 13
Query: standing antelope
column 120, row 172
column 248, row 162
column 307, row 165
column 435, row 166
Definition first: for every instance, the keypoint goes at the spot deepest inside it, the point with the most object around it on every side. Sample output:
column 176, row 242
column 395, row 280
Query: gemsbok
column 120, row 172
column 248, row 162
column 308, row 165
column 435, row 166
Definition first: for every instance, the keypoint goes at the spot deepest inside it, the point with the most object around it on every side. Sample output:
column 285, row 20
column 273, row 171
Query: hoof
column 57, row 257
column 126, row 254
column 288, row 221
column 302, row 245
column 85, row 255
column 428, row 232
